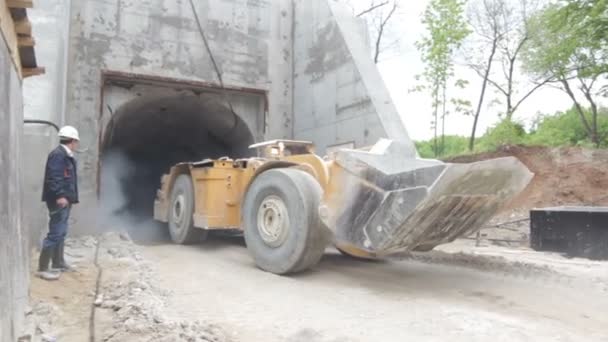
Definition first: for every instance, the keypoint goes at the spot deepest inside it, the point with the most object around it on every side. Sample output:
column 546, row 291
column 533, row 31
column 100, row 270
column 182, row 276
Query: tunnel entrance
column 149, row 134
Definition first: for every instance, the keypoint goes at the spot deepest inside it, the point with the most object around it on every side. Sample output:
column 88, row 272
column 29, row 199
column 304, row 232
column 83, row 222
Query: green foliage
column 569, row 39
column 566, row 129
column 453, row 145
column 587, row 22
column 559, row 129
column 426, row 148
column 569, row 45
column 446, row 29
column 506, row 132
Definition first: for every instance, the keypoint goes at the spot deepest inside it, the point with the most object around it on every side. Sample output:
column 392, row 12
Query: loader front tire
column 181, row 222
column 281, row 223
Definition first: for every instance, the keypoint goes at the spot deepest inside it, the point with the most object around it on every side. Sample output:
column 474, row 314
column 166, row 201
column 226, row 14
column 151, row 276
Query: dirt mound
column 563, row 176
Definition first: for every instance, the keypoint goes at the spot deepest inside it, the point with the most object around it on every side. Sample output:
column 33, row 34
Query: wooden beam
column 27, row 72
column 26, row 41
column 7, row 28
column 20, row 3
column 23, row 27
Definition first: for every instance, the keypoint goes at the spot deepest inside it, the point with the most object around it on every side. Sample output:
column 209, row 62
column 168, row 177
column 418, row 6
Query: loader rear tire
column 281, row 223
column 181, row 222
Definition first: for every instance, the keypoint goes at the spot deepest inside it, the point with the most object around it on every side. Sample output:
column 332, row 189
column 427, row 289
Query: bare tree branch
column 505, row 68
column 538, row 85
column 578, row 107
column 504, row 22
column 486, row 77
column 481, row 74
column 512, row 59
column 497, row 86
column 381, row 28
column 589, row 96
column 372, row 8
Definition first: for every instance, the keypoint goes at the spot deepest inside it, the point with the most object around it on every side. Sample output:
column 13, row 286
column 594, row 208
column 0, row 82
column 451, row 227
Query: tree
column 501, row 31
column 378, row 15
column 446, row 29
column 487, row 23
column 379, row 23
column 517, row 34
column 565, row 128
column 570, row 47
column 588, row 19
column 506, row 132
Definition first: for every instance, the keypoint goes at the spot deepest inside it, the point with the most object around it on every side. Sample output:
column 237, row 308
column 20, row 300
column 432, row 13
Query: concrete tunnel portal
column 148, row 135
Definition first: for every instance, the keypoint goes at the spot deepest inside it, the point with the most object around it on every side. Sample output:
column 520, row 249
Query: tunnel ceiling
column 186, row 122
column 149, row 135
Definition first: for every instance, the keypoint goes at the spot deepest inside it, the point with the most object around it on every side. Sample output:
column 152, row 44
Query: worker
column 60, row 192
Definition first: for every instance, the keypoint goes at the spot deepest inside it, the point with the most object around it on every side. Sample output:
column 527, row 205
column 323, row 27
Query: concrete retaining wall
column 37, row 143
column 44, row 100
column 339, row 96
column 250, row 41
column 13, row 236
column 311, row 57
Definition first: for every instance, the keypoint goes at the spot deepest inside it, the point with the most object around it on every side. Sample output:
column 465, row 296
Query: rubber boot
column 59, row 263
column 43, row 264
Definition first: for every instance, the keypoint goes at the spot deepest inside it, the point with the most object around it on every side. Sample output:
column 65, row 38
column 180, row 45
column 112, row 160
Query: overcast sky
column 398, row 70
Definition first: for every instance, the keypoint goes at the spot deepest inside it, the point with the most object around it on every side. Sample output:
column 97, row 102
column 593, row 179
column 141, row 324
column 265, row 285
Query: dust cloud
column 116, row 168
column 115, row 212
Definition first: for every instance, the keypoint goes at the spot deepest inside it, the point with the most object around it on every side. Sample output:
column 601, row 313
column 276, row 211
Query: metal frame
column 115, row 77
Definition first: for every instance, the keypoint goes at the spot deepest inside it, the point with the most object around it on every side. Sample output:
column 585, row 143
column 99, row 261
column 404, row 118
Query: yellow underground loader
column 291, row 204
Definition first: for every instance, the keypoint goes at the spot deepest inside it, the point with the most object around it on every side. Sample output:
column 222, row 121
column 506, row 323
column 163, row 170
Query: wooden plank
column 7, row 28
column 26, row 41
column 23, row 27
column 20, row 3
column 27, row 72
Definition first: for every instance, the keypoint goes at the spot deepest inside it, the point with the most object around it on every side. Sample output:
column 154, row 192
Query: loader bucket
column 378, row 203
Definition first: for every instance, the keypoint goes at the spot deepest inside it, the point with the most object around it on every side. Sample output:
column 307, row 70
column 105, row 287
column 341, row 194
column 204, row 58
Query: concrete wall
column 339, row 96
column 13, row 236
column 311, row 57
column 250, row 40
column 44, row 93
column 45, row 100
column 37, row 143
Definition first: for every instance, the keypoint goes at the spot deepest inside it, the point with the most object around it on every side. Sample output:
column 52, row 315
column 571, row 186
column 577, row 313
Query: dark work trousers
column 58, row 225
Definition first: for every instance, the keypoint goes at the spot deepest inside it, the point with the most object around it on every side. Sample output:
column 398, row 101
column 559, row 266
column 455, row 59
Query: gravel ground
column 213, row 292
column 128, row 304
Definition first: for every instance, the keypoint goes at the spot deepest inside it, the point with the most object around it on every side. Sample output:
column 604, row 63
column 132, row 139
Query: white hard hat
column 69, row 132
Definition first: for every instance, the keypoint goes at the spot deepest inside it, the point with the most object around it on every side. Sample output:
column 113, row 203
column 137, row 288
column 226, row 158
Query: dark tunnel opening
column 149, row 135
